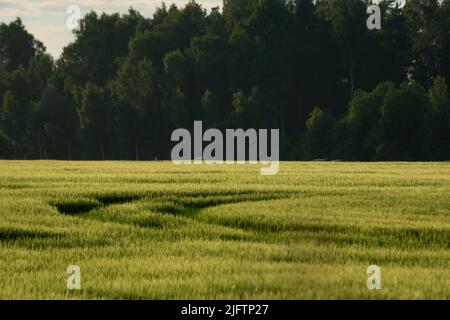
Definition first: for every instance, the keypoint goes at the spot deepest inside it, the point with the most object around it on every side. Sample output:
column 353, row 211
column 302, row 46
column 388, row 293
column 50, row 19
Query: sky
column 47, row 19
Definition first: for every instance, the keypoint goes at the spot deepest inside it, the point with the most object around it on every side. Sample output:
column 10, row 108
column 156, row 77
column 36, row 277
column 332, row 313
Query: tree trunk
column 352, row 75
column 45, row 150
column 40, row 148
column 69, row 151
column 102, row 150
column 429, row 75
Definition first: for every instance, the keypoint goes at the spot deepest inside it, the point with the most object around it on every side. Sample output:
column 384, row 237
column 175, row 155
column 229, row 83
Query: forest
column 312, row 69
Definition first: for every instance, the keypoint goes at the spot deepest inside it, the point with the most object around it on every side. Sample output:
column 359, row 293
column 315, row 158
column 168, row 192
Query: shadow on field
column 14, row 234
column 81, row 206
column 39, row 239
column 155, row 209
column 76, row 207
column 189, row 206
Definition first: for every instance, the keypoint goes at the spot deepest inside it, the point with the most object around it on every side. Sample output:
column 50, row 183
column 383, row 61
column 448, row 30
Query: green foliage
column 249, row 110
column 211, row 109
column 99, row 42
column 358, row 127
column 319, row 134
column 17, row 46
column 55, row 125
column 4, row 81
column 96, row 119
column 427, row 23
column 126, row 81
column 12, row 118
column 6, row 147
column 437, row 122
column 402, row 115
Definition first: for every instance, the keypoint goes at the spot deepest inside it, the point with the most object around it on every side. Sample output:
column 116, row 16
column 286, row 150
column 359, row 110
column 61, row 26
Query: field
column 153, row 230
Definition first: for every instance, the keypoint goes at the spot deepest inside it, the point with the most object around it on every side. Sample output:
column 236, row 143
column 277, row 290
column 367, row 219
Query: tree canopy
column 334, row 88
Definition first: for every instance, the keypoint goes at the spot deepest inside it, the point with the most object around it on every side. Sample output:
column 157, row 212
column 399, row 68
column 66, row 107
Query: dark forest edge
column 335, row 89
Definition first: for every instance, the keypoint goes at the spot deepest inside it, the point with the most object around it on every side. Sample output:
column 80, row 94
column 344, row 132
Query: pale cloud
column 46, row 19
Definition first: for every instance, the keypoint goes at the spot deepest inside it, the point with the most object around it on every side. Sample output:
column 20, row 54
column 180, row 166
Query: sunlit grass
column 153, row 230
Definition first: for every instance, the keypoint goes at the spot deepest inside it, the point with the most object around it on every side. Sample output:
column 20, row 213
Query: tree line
column 312, row 69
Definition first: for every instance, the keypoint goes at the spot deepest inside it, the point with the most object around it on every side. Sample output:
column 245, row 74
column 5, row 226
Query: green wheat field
column 154, row 230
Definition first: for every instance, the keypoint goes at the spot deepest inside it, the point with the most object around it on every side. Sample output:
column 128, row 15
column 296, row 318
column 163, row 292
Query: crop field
column 154, row 230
